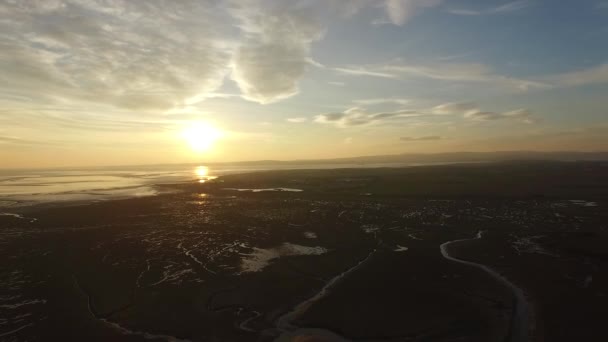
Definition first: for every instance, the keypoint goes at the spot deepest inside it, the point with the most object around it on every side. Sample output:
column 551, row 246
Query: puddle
column 265, row 189
column 583, row 203
column 310, row 235
column 370, row 228
column 260, row 258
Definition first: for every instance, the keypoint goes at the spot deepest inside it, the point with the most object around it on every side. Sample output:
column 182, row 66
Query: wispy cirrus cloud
column 454, row 107
column 89, row 51
column 509, row 7
column 422, row 138
column 157, row 55
column 441, row 71
column 478, row 73
column 400, row 11
column 377, row 101
column 297, row 120
column 19, row 141
column 364, row 71
column 593, row 75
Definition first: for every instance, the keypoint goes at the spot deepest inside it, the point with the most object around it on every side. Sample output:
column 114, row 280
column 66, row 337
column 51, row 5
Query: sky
column 111, row 82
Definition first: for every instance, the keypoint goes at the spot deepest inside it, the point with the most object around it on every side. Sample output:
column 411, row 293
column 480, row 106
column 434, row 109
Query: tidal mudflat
column 358, row 254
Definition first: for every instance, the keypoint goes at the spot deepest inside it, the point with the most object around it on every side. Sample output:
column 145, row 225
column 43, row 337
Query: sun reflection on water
column 202, row 173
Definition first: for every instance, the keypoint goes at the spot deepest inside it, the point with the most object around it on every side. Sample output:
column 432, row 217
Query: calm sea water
column 26, row 187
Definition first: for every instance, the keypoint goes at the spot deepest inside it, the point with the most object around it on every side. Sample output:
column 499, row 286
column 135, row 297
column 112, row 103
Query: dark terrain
column 206, row 262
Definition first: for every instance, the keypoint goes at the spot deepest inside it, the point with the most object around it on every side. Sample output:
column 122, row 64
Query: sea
column 27, row 187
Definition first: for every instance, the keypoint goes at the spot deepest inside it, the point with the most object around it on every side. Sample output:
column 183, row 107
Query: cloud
column 464, row 12
column 274, row 53
column 477, row 73
column 137, row 55
column 157, row 55
column 400, row 11
column 593, row 75
column 278, row 38
column 378, row 101
column 521, row 115
column 356, row 116
column 46, row 119
column 423, row 138
column 441, row 71
column 470, row 110
column 509, row 7
column 454, row 108
column 361, row 71
column 297, row 120
column 482, row 116
column 18, row 141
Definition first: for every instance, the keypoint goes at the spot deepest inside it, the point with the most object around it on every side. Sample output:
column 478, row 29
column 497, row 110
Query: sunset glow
column 297, row 79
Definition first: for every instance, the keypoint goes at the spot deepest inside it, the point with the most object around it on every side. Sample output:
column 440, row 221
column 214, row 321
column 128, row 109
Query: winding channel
column 284, row 323
column 520, row 321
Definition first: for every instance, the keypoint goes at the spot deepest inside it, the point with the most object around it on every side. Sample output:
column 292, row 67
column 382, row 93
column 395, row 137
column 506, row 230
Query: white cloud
column 464, row 12
column 138, row 55
column 275, row 51
column 593, row 75
column 19, row 141
column 482, row 116
column 297, row 120
column 400, row 11
column 509, row 7
column 361, row 71
column 454, row 108
column 521, row 115
column 512, row 6
column 423, row 138
column 378, row 101
column 472, row 111
column 356, row 116
column 158, row 55
column 441, row 71
column 478, row 73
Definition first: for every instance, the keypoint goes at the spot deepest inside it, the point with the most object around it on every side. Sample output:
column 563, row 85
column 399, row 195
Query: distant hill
column 406, row 159
column 452, row 157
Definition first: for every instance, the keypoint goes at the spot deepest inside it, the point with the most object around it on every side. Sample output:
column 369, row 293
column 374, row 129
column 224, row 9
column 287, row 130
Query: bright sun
column 201, row 136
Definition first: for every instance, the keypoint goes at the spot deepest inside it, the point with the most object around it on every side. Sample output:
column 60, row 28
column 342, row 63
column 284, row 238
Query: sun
column 201, row 136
